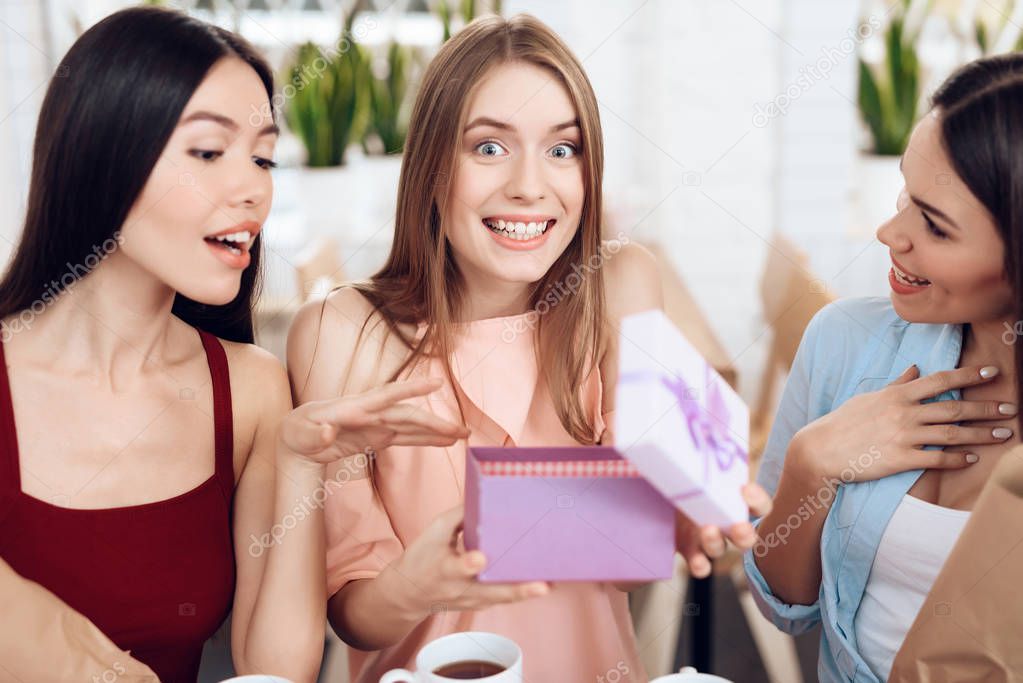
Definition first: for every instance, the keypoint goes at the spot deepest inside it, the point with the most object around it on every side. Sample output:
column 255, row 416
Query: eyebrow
column 226, row 122
column 930, row 208
column 503, row 125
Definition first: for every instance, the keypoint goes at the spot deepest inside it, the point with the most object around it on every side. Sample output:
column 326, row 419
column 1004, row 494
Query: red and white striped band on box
column 564, row 468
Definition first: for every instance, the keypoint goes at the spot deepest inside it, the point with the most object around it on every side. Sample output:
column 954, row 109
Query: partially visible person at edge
column 154, row 450
column 898, row 410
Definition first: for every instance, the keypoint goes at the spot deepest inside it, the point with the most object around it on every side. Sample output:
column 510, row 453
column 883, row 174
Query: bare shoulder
column 337, row 346
column 252, row 365
column 336, row 320
column 260, row 395
column 632, row 279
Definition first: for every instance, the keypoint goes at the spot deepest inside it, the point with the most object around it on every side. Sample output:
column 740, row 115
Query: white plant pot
column 354, row 205
column 878, row 182
column 324, row 193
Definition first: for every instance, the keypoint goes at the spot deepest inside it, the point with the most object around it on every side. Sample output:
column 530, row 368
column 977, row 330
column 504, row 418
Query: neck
column 111, row 323
column 985, row 341
column 493, row 299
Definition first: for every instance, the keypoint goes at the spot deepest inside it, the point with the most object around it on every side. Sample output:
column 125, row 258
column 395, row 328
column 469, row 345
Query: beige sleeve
column 360, row 538
column 49, row 641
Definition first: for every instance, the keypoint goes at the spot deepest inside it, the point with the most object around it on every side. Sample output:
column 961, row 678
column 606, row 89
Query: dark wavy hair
column 109, row 110
column 981, row 108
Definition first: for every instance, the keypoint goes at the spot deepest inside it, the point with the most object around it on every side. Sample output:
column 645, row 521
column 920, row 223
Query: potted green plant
column 888, row 98
column 387, row 123
column 327, row 101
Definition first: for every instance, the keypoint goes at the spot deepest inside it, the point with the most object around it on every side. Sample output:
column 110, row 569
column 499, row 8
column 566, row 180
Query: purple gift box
column 578, row 513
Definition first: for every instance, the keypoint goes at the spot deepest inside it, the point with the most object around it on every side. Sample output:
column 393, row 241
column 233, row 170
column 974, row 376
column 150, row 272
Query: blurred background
column 753, row 145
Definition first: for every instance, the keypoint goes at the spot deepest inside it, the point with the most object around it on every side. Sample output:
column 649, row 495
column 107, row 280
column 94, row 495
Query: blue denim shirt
column 850, row 347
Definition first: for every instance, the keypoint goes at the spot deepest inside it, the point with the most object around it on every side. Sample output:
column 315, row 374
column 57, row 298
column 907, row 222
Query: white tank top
column 915, row 544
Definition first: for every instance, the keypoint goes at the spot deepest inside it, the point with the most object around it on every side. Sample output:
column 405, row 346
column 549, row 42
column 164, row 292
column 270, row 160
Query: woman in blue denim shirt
column 896, row 412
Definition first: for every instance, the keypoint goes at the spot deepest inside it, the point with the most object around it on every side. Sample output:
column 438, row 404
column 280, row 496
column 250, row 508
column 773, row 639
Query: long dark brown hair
column 420, row 281
column 109, row 110
column 981, row 113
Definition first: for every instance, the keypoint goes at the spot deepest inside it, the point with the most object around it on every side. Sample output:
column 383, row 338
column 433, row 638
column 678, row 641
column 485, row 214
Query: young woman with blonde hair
column 499, row 203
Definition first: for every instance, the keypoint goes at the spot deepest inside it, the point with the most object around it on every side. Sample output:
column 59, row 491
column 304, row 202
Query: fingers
column 467, row 566
column 939, row 382
column 391, row 393
column 908, row 375
column 447, row 524
column 743, row 535
column 484, row 594
column 945, row 460
column 758, row 500
column 423, row 440
column 306, row 436
column 712, row 541
column 688, row 542
column 942, row 412
column 955, row 435
column 407, row 418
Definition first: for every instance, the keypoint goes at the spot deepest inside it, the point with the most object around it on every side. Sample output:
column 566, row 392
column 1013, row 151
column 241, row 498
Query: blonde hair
column 420, row 282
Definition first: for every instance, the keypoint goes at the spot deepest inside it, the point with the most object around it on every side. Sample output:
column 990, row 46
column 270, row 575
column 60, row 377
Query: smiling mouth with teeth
column 907, row 279
column 517, row 231
column 234, row 243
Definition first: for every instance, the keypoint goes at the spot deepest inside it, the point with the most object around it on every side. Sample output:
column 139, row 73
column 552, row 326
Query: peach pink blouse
column 579, row 631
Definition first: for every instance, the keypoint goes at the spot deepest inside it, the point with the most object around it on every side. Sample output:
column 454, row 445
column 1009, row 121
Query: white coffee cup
column 463, row 647
column 256, row 678
column 689, row 675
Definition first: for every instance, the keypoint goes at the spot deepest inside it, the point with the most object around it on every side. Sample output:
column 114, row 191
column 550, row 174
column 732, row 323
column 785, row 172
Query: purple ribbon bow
column 708, row 427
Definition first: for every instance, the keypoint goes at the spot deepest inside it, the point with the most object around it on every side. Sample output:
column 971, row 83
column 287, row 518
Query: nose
column 250, row 187
column 527, row 183
column 893, row 232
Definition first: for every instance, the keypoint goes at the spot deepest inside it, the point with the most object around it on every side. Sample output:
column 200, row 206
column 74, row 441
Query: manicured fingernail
column 1001, row 433
column 971, row 458
column 1007, row 408
column 988, row 371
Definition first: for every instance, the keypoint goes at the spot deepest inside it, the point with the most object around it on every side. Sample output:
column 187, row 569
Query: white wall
column 689, row 162
column 678, row 81
column 25, row 58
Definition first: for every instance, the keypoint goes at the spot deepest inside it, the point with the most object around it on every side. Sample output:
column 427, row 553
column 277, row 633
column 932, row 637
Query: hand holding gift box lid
column 679, row 423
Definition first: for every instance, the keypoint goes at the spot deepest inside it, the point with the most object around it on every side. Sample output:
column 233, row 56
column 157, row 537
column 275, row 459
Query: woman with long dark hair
column 873, row 478
column 151, row 476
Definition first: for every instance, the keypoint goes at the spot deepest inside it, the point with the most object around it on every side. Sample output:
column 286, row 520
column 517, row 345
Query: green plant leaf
column 326, row 103
column 889, row 95
column 870, row 103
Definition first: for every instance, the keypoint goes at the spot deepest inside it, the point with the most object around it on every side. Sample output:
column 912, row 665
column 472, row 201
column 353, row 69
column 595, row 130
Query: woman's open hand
column 325, row 431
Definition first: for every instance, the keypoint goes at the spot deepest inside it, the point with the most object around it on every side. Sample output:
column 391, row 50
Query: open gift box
column 565, row 514
column 680, row 423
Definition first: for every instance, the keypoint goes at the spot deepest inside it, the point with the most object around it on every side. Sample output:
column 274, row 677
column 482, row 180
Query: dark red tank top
column 157, row 579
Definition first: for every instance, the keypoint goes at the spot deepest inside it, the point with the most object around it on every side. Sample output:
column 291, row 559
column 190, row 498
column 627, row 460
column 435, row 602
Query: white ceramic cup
column 256, row 678
column 462, row 647
column 690, row 675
